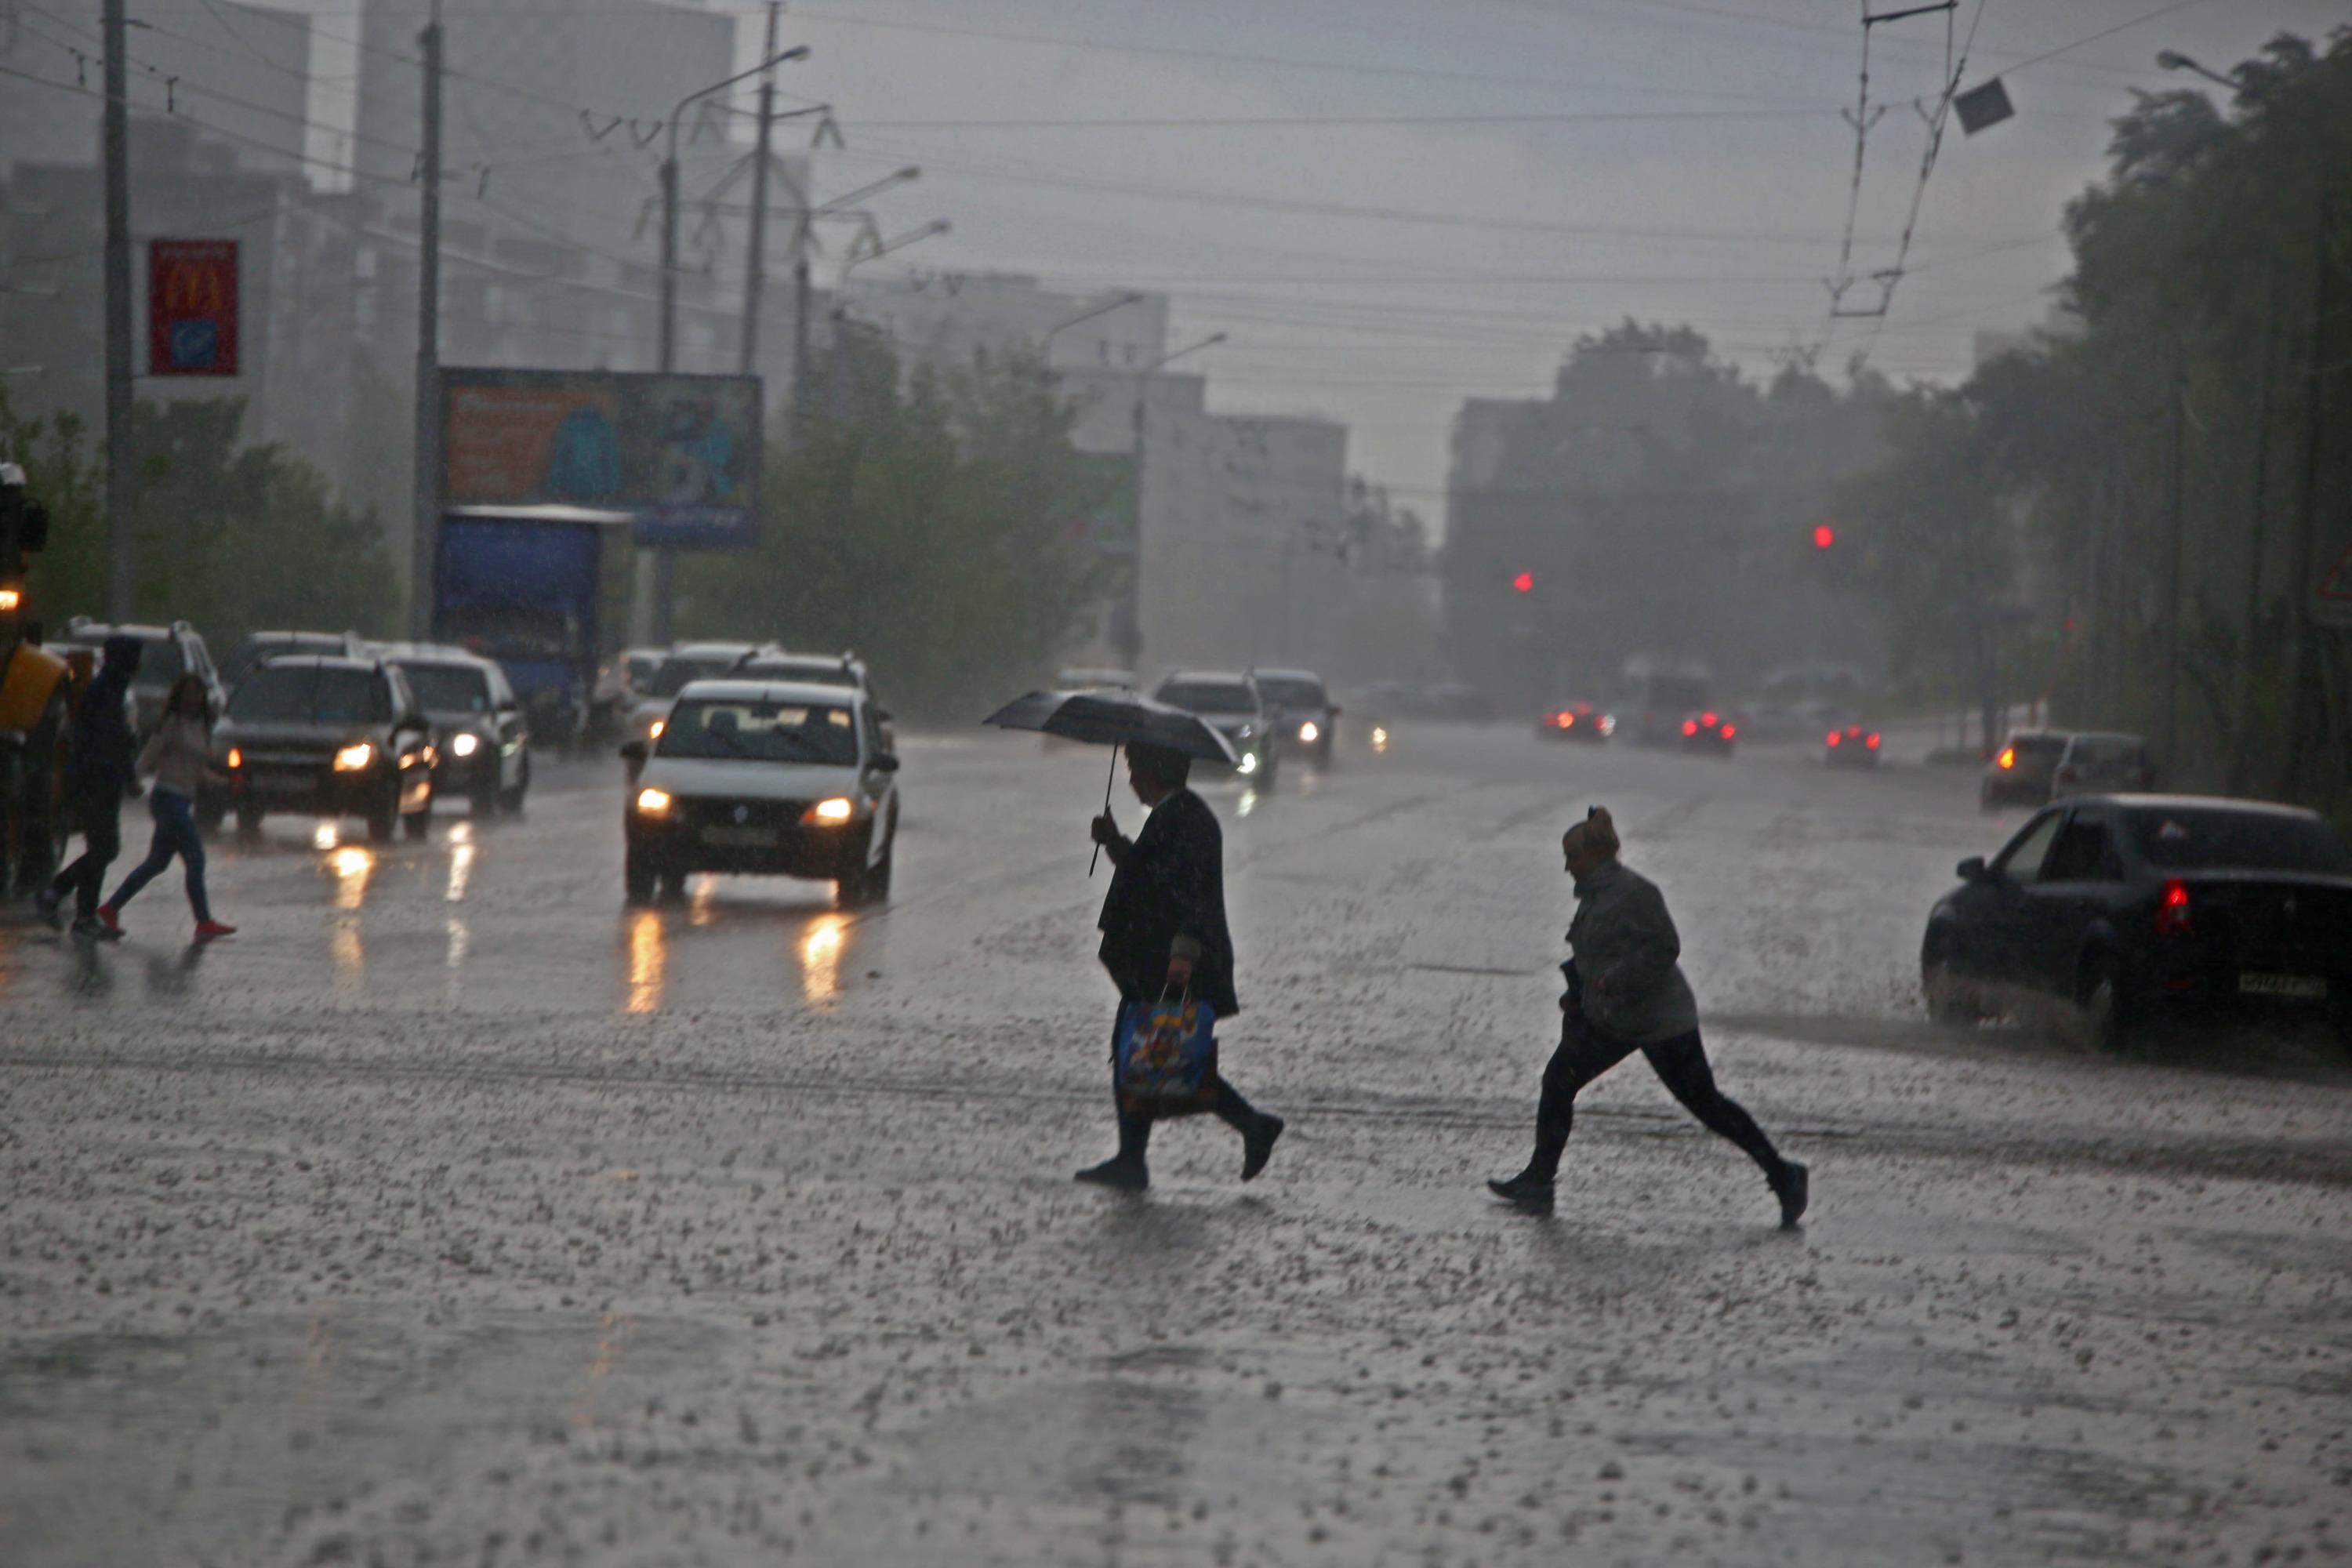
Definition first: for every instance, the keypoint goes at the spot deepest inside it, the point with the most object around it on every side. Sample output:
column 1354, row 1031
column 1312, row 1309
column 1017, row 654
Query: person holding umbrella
column 1163, row 931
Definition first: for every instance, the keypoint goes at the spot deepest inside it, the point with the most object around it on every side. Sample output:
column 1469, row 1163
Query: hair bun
column 1601, row 830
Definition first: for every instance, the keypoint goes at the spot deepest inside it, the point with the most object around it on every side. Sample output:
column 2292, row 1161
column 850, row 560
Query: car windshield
column 1209, row 696
column 311, row 693
column 449, row 688
column 816, row 672
column 676, row 671
column 758, row 732
column 642, row 668
column 2105, row 753
column 253, row 652
column 1290, row 693
column 2203, row 839
column 2037, row 748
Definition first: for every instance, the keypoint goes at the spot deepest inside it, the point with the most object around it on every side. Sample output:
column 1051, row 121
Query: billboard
column 192, row 306
column 679, row 453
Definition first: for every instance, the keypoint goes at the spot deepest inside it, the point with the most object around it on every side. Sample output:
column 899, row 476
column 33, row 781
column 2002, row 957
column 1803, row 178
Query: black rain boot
column 1526, row 1191
column 1125, row 1170
column 1793, row 1189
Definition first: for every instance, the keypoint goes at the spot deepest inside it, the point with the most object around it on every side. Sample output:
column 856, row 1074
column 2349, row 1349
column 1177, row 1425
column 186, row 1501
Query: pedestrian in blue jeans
column 179, row 755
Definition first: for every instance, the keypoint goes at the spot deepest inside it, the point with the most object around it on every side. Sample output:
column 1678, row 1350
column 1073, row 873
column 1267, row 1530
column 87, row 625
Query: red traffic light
column 1525, row 583
column 1823, row 536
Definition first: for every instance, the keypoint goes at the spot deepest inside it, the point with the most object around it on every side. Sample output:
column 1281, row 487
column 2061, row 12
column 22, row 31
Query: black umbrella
column 1110, row 717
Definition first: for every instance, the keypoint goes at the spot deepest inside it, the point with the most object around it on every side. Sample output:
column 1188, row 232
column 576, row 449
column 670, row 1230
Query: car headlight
column 464, row 745
column 829, row 813
column 1310, row 732
column 653, row 802
column 653, row 730
column 235, row 758
column 1248, row 764
column 355, row 757
column 1380, row 738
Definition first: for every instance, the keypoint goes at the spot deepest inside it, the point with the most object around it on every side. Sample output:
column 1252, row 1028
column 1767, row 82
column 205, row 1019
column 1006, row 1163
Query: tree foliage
column 923, row 522
column 228, row 538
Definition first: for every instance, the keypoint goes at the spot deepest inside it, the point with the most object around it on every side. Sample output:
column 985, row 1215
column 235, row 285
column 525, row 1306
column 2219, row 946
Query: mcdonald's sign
column 192, row 306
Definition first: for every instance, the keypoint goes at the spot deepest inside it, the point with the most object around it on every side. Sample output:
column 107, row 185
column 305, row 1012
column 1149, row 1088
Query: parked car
column 1851, row 746
column 257, row 648
column 1299, row 707
column 2020, row 772
column 690, row 662
column 2136, row 908
column 326, row 735
column 2096, row 763
column 166, row 654
column 767, row 778
column 1576, row 722
column 1708, row 731
column 1230, row 705
column 481, row 743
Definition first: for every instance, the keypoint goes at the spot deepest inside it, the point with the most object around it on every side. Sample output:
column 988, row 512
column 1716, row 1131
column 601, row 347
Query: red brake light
column 1730, row 731
column 1871, row 742
column 1690, row 726
column 1708, row 720
column 1837, row 738
column 2172, row 913
column 1568, row 721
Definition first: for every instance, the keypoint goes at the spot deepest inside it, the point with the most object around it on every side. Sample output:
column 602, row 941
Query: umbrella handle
column 1109, row 783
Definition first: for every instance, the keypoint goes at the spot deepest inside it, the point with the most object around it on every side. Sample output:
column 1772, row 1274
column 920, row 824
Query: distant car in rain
column 1230, row 705
column 481, row 744
column 1299, row 707
column 620, row 680
column 1576, row 722
column 774, row 663
column 2140, row 908
column 763, row 778
column 1851, row 746
column 1083, row 678
column 1659, row 704
column 2096, row 763
column 321, row 735
column 257, row 648
column 166, row 654
column 1710, row 731
column 687, row 662
column 2023, row 770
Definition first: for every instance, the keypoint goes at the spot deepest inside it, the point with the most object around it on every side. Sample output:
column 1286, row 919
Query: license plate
column 2306, row 986
column 740, row 837
column 283, row 784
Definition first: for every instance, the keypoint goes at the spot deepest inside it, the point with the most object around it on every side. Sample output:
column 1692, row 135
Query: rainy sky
column 1490, row 178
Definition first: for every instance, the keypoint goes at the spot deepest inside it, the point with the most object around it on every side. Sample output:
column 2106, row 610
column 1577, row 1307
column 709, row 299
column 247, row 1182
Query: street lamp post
column 1130, row 630
column 1045, row 344
column 666, row 557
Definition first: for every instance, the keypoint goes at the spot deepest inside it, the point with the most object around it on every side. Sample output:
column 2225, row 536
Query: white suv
column 767, row 778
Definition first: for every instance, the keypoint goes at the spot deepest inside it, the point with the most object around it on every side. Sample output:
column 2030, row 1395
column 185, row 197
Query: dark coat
column 1170, row 885
column 103, row 751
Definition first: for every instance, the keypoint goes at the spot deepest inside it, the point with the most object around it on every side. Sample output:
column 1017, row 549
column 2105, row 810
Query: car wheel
column 248, row 822
column 210, row 814
column 672, row 886
column 2108, row 1020
column 638, row 879
column 1947, row 993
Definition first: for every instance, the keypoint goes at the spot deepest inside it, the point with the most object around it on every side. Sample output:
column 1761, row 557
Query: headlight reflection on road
column 648, row 961
column 461, row 860
column 352, row 866
column 821, row 957
column 459, row 939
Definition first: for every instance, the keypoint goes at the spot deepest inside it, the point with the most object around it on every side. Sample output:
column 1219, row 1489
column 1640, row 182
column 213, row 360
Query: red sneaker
column 108, row 919
column 207, row 930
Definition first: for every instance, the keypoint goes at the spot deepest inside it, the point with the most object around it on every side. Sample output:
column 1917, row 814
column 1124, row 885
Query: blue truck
column 543, row 590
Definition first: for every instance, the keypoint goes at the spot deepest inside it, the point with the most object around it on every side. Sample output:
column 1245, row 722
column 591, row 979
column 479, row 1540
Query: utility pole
column 2175, row 477
column 752, row 278
column 122, row 451
column 427, row 482
column 2240, row 754
column 2303, row 654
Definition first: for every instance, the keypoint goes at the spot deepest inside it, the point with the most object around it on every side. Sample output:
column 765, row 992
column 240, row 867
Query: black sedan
column 2136, row 909
column 1852, row 746
column 1576, row 722
column 329, row 737
column 1710, row 731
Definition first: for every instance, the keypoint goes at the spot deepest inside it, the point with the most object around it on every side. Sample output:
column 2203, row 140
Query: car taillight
column 2172, row 912
column 1836, row 738
column 2008, row 758
column 1568, row 721
column 1872, row 741
column 1730, row 731
column 1690, row 726
column 1706, row 721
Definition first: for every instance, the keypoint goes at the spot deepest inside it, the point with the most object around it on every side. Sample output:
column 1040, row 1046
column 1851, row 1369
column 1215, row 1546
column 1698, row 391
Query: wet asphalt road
column 454, row 1213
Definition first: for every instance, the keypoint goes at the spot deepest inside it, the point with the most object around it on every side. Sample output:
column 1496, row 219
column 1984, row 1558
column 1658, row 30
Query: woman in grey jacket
column 179, row 755
column 1626, row 994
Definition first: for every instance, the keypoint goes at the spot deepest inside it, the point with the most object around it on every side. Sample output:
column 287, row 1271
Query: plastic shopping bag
column 1167, row 1062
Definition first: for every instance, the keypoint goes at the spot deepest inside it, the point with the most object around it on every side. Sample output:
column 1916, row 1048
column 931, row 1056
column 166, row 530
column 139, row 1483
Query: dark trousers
column 1681, row 1065
column 175, row 834
column 1135, row 1131
column 101, row 841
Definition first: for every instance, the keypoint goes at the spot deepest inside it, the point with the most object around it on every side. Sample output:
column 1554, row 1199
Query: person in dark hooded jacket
column 1163, row 931
column 101, row 759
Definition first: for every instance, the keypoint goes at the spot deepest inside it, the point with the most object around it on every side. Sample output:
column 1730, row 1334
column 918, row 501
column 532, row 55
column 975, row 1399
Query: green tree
column 923, row 522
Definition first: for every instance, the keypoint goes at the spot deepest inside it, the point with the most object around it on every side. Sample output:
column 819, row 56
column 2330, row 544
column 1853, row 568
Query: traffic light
column 1824, row 536
column 1525, row 583
column 24, row 531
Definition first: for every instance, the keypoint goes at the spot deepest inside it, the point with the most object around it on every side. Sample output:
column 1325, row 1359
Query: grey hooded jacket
column 1626, row 948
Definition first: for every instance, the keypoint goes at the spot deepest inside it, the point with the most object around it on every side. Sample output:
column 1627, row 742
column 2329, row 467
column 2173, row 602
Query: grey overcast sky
column 1391, row 206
